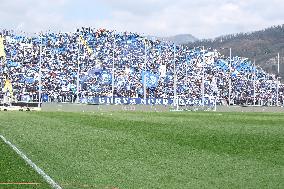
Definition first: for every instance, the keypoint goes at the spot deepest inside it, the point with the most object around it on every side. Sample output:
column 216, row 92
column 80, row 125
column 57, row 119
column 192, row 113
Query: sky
column 201, row 18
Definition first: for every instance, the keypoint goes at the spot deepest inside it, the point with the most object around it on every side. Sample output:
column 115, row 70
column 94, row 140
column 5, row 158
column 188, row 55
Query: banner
column 149, row 101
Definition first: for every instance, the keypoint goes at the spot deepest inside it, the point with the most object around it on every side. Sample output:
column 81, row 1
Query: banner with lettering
column 208, row 101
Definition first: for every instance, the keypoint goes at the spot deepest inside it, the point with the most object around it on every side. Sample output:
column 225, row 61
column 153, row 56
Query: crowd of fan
column 116, row 64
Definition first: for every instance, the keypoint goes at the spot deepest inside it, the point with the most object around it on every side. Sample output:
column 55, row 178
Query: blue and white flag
column 120, row 82
column 13, row 64
column 235, row 74
column 105, row 78
column 151, row 79
column 96, row 88
column 93, row 72
column 222, row 64
column 31, row 72
column 29, row 80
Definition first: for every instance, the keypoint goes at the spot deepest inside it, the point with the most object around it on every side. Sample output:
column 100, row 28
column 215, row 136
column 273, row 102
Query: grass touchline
column 46, row 177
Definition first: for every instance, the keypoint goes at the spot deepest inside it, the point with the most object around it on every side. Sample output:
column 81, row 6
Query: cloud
column 202, row 18
column 31, row 15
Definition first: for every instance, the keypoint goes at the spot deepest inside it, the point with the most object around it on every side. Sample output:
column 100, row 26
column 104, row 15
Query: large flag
column 85, row 43
column 29, row 80
column 8, row 86
column 106, row 77
column 235, row 73
column 2, row 50
column 13, row 64
column 222, row 64
column 214, row 84
column 151, row 79
column 163, row 70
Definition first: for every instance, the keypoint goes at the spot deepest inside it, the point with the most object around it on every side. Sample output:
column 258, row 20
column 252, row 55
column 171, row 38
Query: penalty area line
column 19, row 183
column 47, row 178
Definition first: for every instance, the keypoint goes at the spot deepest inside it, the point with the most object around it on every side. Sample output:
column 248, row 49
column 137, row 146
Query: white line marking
column 19, row 183
column 48, row 179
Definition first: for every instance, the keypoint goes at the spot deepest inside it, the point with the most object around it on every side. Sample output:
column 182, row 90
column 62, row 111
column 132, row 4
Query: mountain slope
column 263, row 46
column 180, row 39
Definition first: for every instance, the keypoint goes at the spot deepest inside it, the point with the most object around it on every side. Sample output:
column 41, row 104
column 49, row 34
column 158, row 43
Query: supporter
column 100, row 56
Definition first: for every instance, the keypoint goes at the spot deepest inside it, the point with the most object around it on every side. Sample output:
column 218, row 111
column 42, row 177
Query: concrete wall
column 250, row 109
column 68, row 107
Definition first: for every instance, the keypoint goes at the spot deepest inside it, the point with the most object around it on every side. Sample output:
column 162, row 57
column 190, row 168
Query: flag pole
column 278, row 62
column 112, row 79
column 254, row 75
column 145, row 62
column 278, row 71
column 145, row 87
column 186, row 68
column 78, row 72
column 230, row 80
column 203, row 87
column 175, row 78
column 40, row 84
column 23, row 55
column 187, row 81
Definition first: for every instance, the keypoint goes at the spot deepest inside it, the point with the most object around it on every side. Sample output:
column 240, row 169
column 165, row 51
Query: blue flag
column 29, row 80
column 151, row 79
column 12, row 64
column 105, row 77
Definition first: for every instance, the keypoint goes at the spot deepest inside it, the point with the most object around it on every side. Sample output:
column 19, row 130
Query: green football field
column 14, row 173
column 144, row 150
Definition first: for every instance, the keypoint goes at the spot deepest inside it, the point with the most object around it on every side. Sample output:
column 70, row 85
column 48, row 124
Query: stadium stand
column 93, row 66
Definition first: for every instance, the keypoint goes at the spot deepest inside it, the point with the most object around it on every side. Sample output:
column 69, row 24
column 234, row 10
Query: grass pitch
column 15, row 173
column 151, row 150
